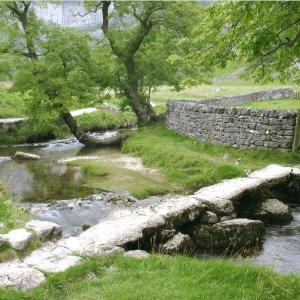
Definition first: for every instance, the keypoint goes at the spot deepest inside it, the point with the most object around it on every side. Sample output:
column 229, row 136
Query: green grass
column 162, row 277
column 231, row 88
column 191, row 165
column 275, row 104
column 102, row 120
column 109, row 176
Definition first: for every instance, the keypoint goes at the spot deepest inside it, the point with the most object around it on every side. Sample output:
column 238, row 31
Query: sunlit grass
column 275, row 104
column 162, row 277
column 109, row 176
column 191, row 165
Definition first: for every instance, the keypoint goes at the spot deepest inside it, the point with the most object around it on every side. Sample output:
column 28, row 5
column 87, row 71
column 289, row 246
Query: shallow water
column 46, row 179
column 281, row 248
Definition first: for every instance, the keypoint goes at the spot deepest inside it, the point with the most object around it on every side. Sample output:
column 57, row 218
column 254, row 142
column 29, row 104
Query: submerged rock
column 25, row 156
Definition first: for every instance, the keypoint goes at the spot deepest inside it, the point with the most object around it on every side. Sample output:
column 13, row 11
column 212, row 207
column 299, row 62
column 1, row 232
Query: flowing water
column 41, row 182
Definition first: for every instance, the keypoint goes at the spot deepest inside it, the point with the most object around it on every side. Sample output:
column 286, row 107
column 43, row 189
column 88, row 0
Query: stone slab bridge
column 230, row 214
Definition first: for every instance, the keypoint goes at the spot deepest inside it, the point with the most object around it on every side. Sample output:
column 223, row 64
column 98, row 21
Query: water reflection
column 45, row 180
column 281, row 247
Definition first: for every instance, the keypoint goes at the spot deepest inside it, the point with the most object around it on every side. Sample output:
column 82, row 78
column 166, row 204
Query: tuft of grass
column 11, row 215
column 191, row 165
column 163, row 277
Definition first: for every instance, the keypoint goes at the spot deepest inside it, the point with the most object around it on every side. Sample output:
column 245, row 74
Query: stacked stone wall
column 240, row 127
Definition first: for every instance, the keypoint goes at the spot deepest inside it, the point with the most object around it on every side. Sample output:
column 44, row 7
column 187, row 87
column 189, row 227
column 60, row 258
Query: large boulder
column 269, row 210
column 19, row 238
column 235, row 233
column 45, row 230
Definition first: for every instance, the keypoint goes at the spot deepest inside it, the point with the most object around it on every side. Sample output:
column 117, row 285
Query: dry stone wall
column 240, row 127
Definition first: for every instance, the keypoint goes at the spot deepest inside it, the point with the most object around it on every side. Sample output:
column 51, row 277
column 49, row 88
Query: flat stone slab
column 234, row 189
column 49, row 250
column 59, row 263
column 21, row 278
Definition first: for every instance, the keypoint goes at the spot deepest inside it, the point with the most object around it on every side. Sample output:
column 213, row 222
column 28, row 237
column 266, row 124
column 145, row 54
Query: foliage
column 12, row 105
column 143, row 35
column 54, row 66
column 263, row 34
column 162, row 277
column 192, row 165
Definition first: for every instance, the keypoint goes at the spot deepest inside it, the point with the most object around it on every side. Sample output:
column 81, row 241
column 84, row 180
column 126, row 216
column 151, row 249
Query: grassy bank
column 191, row 165
column 184, row 164
column 162, row 277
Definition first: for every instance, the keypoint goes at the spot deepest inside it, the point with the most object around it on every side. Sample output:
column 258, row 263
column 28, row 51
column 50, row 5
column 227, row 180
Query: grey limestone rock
column 19, row 238
column 236, row 233
column 179, row 243
column 137, row 254
column 3, row 240
column 21, row 278
column 45, row 230
column 59, row 263
column 269, row 210
column 209, row 217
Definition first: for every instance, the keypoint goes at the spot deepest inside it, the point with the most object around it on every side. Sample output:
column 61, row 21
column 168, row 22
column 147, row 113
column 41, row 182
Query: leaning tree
column 53, row 66
column 142, row 35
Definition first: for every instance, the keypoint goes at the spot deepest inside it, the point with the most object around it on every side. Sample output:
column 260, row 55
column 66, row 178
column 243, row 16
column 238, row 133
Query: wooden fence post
column 297, row 132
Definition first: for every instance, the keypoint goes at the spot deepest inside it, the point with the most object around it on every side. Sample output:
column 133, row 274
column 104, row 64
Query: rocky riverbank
column 208, row 219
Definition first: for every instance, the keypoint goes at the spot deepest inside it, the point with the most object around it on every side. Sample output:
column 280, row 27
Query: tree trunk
column 87, row 140
column 141, row 110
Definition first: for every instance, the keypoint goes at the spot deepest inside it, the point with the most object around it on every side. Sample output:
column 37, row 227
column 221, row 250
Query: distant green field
column 275, row 104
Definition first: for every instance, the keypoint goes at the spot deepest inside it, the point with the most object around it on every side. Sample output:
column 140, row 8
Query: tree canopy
column 142, row 35
column 52, row 65
column 263, row 34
